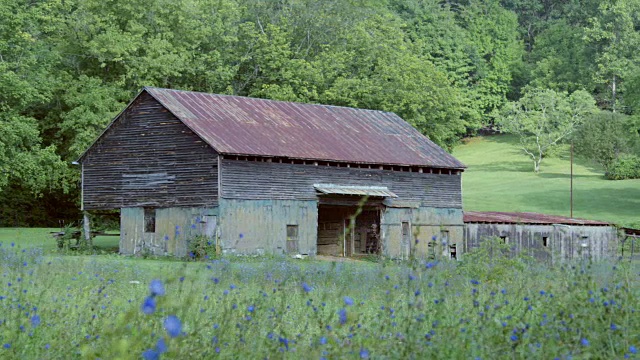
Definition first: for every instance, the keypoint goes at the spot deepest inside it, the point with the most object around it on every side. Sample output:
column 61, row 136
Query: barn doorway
column 348, row 230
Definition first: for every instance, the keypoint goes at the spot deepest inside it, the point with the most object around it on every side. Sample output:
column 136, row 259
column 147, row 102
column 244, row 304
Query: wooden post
column 87, row 230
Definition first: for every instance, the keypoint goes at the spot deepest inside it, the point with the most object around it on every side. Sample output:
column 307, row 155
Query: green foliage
column 493, row 260
column 603, row 138
column 247, row 308
column 626, row 166
column 202, row 248
column 542, row 118
column 68, row 67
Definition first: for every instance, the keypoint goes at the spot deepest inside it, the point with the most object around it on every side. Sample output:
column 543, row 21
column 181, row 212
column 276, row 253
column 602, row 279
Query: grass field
column 87, row 307
column 500, row 178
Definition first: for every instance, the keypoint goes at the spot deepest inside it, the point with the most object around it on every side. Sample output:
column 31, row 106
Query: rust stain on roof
column 525, row 218
column 238, row 125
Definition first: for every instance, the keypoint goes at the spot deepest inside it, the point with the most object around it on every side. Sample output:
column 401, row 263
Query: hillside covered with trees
column 450, row 68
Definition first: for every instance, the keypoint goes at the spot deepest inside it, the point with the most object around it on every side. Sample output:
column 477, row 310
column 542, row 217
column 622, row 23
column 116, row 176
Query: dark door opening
column 348, row 230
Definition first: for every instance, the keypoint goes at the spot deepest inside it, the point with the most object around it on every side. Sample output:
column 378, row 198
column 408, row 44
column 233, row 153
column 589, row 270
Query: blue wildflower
column 614, row 327
column 348, row 301
column 7, row 346
column 35, row 320
column 633, row 350
column 343, row 316
column 150, row 354
column 251, row 308
column 173, row 326
column 584, row 342
column 514, row 338
column 475, row 282
column 161, row 346
column 149, row 305
column 284, row 341
column 306, row 287
column 323, row 340
column 156, row 287
column 364, row 353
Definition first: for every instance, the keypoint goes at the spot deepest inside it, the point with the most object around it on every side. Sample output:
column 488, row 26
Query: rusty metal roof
column 258, row 127
column 525, row 218
column 331, row 189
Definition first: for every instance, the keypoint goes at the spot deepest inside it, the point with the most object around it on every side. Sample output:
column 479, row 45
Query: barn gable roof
column 236, row 125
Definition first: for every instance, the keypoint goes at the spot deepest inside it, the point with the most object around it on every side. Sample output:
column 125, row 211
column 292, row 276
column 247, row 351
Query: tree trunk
column 613, row 94
column 536, row 165
column 87, row 230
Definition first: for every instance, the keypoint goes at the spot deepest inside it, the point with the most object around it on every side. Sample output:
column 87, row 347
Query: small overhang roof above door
column 331, row 189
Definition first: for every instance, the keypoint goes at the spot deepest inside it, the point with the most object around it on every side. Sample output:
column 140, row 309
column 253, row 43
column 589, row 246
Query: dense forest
column 451, row 68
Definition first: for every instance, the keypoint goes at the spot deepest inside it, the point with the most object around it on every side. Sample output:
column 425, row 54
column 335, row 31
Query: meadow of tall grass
column 58, row 306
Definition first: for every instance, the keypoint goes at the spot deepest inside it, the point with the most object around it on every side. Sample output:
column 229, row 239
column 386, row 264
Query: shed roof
column 238, row 125
column 525, row 218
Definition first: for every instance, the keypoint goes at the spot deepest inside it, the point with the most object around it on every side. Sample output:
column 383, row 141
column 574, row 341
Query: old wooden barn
column 258, row 176
column 546, row 237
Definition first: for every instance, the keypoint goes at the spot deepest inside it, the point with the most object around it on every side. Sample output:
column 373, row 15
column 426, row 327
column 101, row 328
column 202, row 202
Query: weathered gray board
column 435, row 233
column 265, row 180
column 174, row 227
column 148, row 158
column 260, row 226
column 565, row 242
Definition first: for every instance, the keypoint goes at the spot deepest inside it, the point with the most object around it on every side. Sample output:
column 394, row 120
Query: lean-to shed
column 263, row 176
column 546, row 237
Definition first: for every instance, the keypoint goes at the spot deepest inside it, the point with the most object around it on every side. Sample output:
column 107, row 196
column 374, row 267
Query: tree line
column 450, row 68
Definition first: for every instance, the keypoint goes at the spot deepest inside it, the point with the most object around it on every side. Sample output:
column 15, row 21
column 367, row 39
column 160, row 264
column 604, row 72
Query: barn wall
column 174, row 228
column 564, row 241
column 264, row 180
column 148, row 158
column 433, row 232
column 260, row 226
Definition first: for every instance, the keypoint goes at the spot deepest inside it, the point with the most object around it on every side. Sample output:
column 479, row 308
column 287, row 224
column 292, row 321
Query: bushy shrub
column 625, row 167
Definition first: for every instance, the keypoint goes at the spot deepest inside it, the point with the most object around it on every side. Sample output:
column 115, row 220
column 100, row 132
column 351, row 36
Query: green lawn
column 41, row 238
column 500, row 178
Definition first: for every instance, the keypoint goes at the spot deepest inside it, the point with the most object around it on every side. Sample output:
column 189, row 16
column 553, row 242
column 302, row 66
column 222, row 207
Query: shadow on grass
column 567, row 176
column 564, row 154
column 511, row 166
column 587, row 201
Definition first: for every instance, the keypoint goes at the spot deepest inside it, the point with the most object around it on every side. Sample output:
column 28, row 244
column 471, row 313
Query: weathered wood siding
column 427, row 227
column 565, row 242
column 260, row 226
column 148, row 158
column 264, row 180
column 174, row 228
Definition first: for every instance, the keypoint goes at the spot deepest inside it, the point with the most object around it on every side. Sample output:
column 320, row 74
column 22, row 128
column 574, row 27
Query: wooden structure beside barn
column 259, row 176
column 546, row 237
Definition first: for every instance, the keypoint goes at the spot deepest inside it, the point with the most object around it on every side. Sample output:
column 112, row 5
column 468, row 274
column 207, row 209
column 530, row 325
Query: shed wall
column 264, row 180
column 565, row 242
column 174, row 228
column 148, row 158
column 433, row 232
column 260, row 226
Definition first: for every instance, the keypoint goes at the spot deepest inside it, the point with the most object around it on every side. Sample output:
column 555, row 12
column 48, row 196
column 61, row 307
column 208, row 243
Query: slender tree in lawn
column 542, row 118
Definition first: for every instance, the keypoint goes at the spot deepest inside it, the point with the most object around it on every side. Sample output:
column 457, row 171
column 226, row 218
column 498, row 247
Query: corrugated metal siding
column 525, row 218
column 248, row 126
column 148, row 158
column 263, row 180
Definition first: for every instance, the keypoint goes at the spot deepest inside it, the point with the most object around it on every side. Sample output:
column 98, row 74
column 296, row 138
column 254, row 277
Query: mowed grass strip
column 501, row 178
